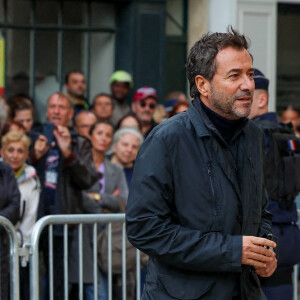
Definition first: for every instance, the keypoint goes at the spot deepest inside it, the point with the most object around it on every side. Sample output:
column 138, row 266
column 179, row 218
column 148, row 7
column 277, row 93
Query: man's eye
column 233, row 75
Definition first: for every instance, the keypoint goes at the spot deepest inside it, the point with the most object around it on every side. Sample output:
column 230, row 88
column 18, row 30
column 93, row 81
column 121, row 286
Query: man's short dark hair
column 103, row 95
column 71, row 72
column 201, row 59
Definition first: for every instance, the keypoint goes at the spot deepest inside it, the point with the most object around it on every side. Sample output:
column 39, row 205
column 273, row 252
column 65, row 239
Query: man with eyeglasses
column 143, row 105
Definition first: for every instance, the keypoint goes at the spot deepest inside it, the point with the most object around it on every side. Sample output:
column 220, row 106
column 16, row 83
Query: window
column 176, row 43
column 45, row 39
column 288, row 62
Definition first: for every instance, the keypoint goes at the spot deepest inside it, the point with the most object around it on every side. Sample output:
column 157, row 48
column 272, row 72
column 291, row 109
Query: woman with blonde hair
column 14, row 151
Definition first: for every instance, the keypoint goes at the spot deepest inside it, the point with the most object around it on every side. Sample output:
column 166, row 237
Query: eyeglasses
column 150, row 105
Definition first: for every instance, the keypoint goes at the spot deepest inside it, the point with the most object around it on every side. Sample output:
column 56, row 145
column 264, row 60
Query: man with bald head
column 64, row 168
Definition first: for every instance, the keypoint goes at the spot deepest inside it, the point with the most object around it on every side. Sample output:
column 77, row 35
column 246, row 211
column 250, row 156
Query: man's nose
column 247, row 83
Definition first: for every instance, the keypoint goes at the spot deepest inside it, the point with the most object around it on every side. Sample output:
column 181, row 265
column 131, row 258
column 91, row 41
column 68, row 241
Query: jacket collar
column 197, row 119
column 204, row 126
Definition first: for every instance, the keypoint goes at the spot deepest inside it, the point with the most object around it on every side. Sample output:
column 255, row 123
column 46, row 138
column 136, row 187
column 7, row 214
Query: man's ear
column 263, row 100
column 202, row 85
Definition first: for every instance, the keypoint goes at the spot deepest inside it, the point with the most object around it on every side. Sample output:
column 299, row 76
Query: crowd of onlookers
column 80, row 161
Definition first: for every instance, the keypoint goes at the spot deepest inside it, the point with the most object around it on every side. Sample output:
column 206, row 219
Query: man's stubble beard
column 224, row 104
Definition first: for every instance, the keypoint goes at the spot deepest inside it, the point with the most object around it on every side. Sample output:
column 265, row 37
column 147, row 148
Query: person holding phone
column 63, row 160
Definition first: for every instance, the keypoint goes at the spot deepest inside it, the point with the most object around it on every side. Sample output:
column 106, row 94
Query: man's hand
column 40, row 147
column 256, row 254
column 268, row 270
column 63, row 137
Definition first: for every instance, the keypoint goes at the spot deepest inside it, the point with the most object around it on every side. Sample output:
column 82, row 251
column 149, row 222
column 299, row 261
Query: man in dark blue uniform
column 279, row 285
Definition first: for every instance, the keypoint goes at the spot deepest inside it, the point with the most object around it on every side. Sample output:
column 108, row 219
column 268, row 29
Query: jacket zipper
column 209, row 171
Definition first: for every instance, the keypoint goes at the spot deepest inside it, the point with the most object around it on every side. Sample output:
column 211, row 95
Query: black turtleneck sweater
column 226, row 128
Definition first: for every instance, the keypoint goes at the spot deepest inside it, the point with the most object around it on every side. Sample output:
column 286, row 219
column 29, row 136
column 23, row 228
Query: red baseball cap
column 144, row 92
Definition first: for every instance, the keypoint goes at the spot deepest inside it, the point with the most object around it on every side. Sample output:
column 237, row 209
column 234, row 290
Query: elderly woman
column 14, row 151
column 109, row 194
column 126, row 144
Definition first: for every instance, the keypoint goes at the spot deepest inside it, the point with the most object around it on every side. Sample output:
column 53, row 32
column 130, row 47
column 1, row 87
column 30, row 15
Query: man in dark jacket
column 279, row 285
column 10, row 209
column 65, row 168
column 197, row 203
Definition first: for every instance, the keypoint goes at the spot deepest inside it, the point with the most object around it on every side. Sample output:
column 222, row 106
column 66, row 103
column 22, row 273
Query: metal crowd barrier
column 79, row 220
column 31, row 252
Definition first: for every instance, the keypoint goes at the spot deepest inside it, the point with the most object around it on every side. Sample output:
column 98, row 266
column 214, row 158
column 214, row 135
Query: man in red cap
column 143, row 105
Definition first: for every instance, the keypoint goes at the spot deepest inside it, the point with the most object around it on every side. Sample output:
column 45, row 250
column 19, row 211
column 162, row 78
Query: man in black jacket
column 197, row 205
column 65, row 168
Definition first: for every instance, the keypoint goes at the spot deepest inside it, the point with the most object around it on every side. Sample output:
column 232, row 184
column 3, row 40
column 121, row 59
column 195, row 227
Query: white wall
column 102, row 50
column 258, row 21
column 221, row 14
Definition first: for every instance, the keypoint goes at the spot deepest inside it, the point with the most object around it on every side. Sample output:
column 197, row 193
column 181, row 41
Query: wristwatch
column 97, row 197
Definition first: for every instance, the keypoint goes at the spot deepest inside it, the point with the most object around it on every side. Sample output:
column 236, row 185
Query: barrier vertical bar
column 124, row 267
column 295, row 282
column 80, row 263
column 34, row 266
column 138, row 274
column 66, row 274
column 95, row 264
column 51, row 282
column 109, row 264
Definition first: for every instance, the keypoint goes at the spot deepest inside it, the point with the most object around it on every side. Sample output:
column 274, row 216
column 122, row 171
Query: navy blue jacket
column 75, row 174
column 191, row 199
column 284, row 214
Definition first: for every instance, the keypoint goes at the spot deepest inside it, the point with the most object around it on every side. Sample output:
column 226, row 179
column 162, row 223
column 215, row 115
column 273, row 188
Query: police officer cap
column 261, row 82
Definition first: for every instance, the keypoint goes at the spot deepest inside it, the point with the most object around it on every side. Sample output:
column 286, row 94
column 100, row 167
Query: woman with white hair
column 126, row 144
